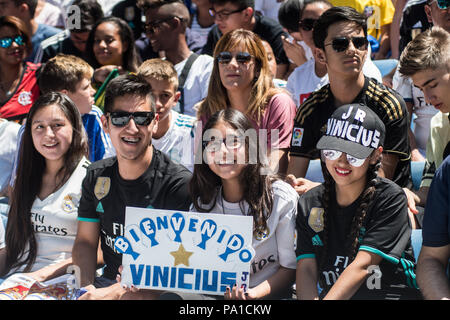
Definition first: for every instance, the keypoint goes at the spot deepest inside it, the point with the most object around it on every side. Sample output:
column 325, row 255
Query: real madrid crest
column 70, row 202
column 261, row 233
column 102, row 186
column 315, row 220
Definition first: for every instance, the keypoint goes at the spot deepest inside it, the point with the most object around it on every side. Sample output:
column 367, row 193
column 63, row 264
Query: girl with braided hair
column 353, row 230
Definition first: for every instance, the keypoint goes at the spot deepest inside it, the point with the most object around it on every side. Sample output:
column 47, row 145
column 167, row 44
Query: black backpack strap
column 182, row 79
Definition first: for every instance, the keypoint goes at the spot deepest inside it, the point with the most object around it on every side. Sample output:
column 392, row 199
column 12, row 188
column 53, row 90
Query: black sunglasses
column 341, row 44
column 307, row 24
column 122, row 118
column 151, row 27
column 241, row 57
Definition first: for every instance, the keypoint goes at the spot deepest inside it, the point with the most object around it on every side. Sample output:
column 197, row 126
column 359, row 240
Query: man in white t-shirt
column 165, row 27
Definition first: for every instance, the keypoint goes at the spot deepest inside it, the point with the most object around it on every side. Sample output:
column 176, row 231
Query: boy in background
column 72, row 76
column 175, row 134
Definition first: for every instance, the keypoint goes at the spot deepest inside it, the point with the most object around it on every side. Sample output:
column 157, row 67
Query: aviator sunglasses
column 122, row 118
column 334, row 155
column 341, row 44
column 6, row 42
column 241, row 57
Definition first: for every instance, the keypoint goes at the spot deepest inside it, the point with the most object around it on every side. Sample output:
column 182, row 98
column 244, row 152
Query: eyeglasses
column 225, row 57
column 342, row 43
column 223, row 15
column 231, row 143
column 334, row 155
column 6, row 42
column 151, row 27
column 307, row 24
column 442, row 4
column 122, row 118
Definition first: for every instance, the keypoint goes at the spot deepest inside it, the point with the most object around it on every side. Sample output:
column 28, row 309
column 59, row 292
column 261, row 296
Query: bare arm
column 298, row 166
column 431, row 277
column 306, row 279
column 388, row 165
column 278, row 159
column 353, row 276
column 84, row 252
column 280, row 280
column 395, row 28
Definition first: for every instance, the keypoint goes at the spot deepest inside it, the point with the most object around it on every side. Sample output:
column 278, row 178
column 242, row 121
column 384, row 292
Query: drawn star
column 181, row 256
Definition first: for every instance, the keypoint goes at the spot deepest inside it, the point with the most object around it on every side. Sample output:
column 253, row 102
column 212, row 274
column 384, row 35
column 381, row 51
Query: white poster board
column 185, row 251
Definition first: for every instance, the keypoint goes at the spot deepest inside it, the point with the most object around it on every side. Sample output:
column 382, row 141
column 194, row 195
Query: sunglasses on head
column 341, row 44
column 334, row 155
column 241, row 57
column 122, row 118
column 6, row 42
column 442, row 4
column 307, row 24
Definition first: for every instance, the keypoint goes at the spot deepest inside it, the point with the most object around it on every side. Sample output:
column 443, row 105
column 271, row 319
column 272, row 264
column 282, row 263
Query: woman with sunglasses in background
column 353, row 230
column 18, row 83
column 42, row 220
column 312, row 75
column 241, row 79
column 111, row 51
column 229, row 181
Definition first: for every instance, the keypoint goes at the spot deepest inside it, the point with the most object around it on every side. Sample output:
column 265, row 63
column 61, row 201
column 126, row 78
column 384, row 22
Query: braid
column 326, row 198
column 358, row 219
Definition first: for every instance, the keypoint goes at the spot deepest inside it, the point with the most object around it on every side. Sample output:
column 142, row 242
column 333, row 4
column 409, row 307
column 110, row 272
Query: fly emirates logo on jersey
column 339, row 265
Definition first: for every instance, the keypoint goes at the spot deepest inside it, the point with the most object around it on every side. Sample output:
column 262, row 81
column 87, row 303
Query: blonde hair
column 64, row 72
column 159, row 69
column 429, row 50
column 262, row 89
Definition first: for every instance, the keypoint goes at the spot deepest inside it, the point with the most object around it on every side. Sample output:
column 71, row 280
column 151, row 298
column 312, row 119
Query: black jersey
column 105, row 195
column 311, row 121
column 385, row 231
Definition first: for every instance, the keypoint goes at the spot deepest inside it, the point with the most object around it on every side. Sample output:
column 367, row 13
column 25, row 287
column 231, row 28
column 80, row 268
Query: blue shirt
column 100, row 146
column 43, row 32
column 436, row 222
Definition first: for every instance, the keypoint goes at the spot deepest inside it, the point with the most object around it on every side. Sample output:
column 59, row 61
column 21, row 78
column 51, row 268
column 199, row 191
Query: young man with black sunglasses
column 312, row 75
column 341, row 44
column 139, row 176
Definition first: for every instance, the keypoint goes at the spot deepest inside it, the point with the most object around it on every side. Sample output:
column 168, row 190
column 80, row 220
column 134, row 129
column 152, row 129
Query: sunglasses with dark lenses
column 442, row 4
column 241, row 57
column 122, row 118
column 307, row 24
column 334, row 155
column 342, row 43
column 6, row 42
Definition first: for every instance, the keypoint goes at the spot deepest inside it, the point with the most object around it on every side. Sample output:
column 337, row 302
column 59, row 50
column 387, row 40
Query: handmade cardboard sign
column 185, row 251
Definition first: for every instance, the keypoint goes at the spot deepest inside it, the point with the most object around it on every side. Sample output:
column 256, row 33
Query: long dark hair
column 130, row 59
column 205, row 184
column 352, row 243
column 30, row 169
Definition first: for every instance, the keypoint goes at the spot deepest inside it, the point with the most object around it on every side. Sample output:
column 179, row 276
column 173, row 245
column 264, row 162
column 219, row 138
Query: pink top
column 279, row 115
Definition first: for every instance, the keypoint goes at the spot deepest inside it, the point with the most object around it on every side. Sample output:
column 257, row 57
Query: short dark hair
column 32, row 4
column 332, row 16
column 289, row 14
column 90, row 13
column 131, row 84
column 242, row 4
